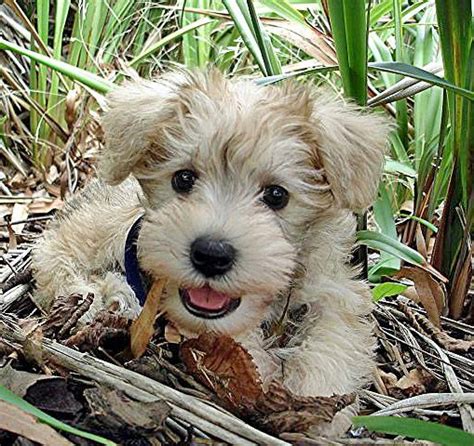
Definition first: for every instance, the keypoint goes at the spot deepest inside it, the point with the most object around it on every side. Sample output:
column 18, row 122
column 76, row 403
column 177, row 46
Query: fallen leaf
column 13, row 419
column 284, row 411
column 114, row 415
column 224, row 366
column 415, row 383
column 53, row 396
column 429, row 291
column 142, row 328
column 33, row 345
column 18, row 381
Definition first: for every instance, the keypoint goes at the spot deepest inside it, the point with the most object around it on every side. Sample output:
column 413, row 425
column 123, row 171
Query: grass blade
column 382, row 242
column 418, row 73
column 418, row 429
column 285, row 10
column 242, row 21
column 89, row 79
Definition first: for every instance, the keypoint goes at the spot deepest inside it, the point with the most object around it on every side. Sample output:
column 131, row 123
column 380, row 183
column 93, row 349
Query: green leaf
column 397, row 167
column 381, row 242
column 423, row 75
column 349, row 30
column 418, row 429
column 89, row 79
column 429, row 225
column 10, row 397
column 254, row 36
column 387, row 289
column 285, row 10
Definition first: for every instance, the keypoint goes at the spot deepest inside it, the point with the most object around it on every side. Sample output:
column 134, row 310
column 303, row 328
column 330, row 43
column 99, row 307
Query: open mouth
column 206, row 303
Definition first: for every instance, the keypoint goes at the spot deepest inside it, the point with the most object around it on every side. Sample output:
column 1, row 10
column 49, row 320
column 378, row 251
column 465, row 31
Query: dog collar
column 136, row 278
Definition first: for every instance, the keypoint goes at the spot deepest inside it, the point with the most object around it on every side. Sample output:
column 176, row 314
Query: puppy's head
column 234, row 174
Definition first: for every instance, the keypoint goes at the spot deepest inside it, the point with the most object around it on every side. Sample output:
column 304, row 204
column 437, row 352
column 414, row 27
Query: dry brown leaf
column 429, row 291
column 142, row 329
column 18, row 381
column 13, row 419
column 420, row 241
column 416, row 382
column 284, row 411
column 461, row 282
column 115, row 414
column 310, row 40
column 226, row 367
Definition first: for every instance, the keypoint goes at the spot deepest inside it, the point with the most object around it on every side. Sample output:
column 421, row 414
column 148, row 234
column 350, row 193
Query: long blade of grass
column 382, row 242
column 89, row 79
column 169, row 38
column 349, row 29
column 418, row 429
column 10, row 397
column 61, row 12
column 272, row 64
column 418, row 73
column 242, row 23
column 401, row 105
column 285, row 10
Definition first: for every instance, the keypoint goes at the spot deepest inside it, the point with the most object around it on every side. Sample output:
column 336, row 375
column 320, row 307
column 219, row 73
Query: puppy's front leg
column 332, row 350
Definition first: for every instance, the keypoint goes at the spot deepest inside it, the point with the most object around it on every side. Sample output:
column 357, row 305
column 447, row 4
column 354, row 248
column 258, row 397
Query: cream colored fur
column 239, row 138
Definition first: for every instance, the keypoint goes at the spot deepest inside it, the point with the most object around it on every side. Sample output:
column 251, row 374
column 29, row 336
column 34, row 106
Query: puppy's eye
column 275, row 197
column 183, row 181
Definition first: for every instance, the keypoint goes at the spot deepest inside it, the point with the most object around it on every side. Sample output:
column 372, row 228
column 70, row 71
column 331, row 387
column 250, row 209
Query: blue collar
column 136, row 278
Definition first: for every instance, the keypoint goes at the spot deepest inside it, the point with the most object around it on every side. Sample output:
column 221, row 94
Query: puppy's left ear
column 351, row 145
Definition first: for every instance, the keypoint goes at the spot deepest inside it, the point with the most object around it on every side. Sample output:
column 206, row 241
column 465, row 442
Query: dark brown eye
column 183, row 181
column 275, row 197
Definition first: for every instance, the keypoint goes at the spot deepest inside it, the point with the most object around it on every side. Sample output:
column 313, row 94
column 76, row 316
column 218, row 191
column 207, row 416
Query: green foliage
column 418, row 429
column 387, row 289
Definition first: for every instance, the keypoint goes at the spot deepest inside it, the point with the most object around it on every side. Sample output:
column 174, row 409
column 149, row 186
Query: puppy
column 242, row 197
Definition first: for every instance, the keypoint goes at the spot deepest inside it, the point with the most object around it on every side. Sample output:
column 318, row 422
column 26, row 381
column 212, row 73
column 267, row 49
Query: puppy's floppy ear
column 351, row 146
column 136, row 113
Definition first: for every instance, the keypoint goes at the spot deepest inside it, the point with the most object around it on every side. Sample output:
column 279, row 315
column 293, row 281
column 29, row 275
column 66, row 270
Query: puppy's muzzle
column 212, row 257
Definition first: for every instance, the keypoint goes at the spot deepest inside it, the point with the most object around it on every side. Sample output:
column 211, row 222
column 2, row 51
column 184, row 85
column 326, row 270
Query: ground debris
column 66, row 312
column 228, row 369
column 114, row 415
column 108, row 330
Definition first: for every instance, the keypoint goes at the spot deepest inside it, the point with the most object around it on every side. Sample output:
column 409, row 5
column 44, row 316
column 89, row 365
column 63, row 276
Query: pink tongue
column 207, row 298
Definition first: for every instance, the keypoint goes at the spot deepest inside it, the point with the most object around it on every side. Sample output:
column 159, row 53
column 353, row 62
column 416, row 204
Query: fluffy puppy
column 245, row 197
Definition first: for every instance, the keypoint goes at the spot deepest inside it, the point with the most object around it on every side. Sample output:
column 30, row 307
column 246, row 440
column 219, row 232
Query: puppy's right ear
column 137, row 113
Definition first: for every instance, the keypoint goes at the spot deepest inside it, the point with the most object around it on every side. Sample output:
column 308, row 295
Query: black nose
column 212, row 257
